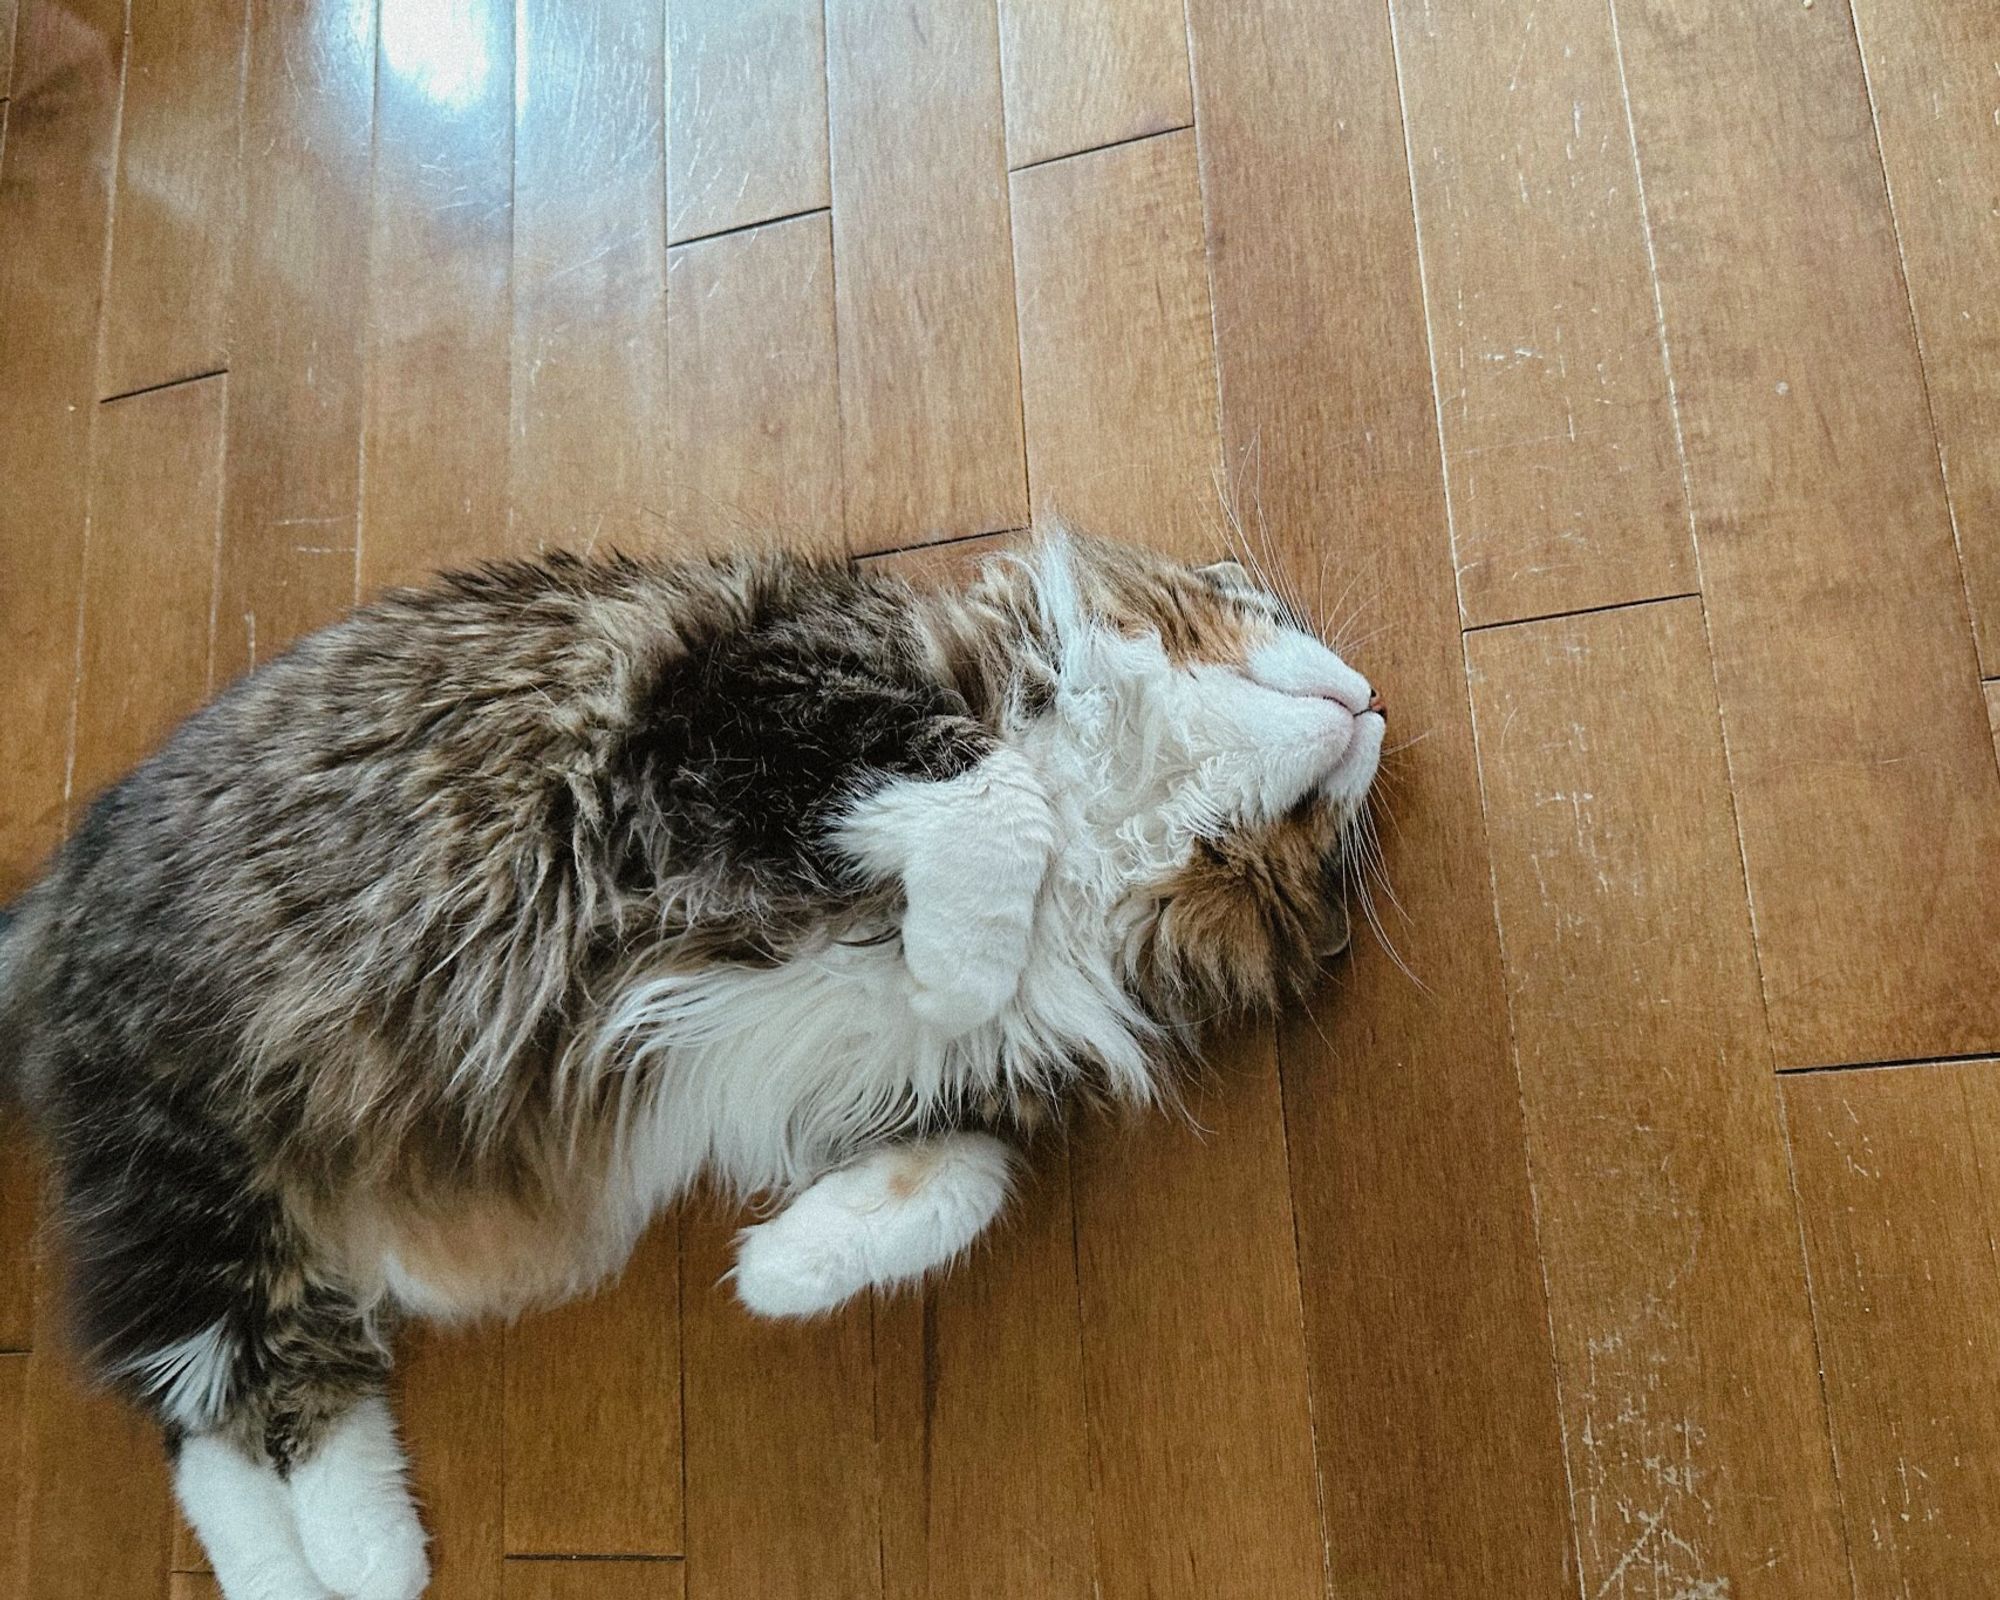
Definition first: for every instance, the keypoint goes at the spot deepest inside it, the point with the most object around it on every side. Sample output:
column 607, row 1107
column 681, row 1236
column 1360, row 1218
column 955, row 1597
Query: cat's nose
column 1378, row 705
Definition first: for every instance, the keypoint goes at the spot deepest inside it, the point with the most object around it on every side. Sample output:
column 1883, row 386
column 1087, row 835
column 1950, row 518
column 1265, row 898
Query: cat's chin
column 1347, row 782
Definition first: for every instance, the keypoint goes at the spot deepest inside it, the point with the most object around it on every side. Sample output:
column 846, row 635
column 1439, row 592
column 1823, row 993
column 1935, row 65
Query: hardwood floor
column 1621, row 377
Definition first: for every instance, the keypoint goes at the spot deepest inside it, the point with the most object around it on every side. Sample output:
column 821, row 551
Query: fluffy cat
column 417, row 972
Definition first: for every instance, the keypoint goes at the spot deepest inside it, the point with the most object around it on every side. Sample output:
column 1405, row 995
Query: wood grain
column 176, row 198
column 13, row 1471
column 20, row 1186
column 929, row 370
column 1826, row 550
column 296, row 387
column 193, row 1586
column 587, row 464
column 97, row 1483
column 1684, row 1341
column 54, row 198
column 593, row 1580
column 1439, row 1444
column 440, row 261
column 593, row 1461
column 753, row 390
column 783, row 1488
column 149, row 572
column 1565, row 485
column 1930, row 80
column 1007, row 1492
column 1896, row 1174
column 746, row 113
column 1091, row 73
column 1117, row 365
column 1201, row 1428
column 451, row 1406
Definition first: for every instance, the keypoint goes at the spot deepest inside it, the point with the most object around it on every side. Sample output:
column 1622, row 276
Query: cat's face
column 1233, row 751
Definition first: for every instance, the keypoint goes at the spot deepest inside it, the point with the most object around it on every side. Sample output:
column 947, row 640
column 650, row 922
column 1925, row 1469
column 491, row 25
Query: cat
column 420, row 969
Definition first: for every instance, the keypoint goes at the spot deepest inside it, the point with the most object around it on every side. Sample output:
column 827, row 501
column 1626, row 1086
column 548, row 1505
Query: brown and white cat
column 415, row 974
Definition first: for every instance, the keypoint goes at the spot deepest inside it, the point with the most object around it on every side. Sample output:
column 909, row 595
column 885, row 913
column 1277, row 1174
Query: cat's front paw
column 885, row 1219
column 957, row 991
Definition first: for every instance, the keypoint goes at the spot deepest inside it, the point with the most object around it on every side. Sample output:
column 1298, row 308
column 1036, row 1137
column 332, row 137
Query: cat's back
column 441, row 765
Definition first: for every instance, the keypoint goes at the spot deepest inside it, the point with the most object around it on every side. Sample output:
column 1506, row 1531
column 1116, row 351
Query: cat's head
column 1217, row 755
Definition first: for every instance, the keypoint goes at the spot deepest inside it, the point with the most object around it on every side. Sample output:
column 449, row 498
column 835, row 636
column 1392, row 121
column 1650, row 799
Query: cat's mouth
column 1353, row 770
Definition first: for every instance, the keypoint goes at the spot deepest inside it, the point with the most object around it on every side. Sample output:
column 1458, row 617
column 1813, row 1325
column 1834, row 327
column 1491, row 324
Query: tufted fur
column 419, row 970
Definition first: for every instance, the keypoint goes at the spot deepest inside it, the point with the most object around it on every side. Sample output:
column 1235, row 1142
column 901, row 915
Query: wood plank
column 1697, row 1439
column 1117, row 364
column 1008, row 1490
column 296, row 381
column 593, row 1459
column 440, row 259
column 1120, row 388
column 13, row 1475
column 753, row 390
column 1869, row 834
column 929, row 371
column 1930, row 79
column 451, row 1406
column 20, row 1192
column 97, row 1482
column 587, row 467
column 175, row 206
column 1439, row 1449
column 1896, row 1174
column 149, row 574
column 594, row 1580
column 1201, row 1435
column 9, row 10
column 782, row 1483
column 746, row 113
column 1565, row 484
column 54, row 200
column 1092, row 73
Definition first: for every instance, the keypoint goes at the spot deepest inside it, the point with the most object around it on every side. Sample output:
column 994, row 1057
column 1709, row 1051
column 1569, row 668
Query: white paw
column 888, row 1218
column 972, row 852
column 356, row 1520
column 959, row 990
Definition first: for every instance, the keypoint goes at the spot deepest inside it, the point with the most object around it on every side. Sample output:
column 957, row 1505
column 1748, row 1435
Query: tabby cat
column 421, row 969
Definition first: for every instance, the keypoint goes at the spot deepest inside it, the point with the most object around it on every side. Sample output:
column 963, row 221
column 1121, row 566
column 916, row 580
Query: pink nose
column 1378, row 705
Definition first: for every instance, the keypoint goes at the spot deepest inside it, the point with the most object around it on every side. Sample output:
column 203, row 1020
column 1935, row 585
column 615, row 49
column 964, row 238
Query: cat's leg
column 888, row 1218
column 972, row 852
column 356, row 1520
column 241, row 1511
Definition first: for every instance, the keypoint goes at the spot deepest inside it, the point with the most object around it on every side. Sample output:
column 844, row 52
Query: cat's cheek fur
column 887, row 1219
column 972, row 853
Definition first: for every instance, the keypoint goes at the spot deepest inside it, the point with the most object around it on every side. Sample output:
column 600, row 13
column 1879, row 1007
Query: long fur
column 415, row 973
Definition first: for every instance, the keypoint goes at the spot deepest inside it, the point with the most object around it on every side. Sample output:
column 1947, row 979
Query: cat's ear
column 1228, row 576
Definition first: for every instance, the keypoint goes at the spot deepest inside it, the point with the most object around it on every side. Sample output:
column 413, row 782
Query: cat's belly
column 484, row 1256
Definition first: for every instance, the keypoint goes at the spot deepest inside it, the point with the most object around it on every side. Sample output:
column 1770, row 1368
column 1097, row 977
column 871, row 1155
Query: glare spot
column 437, row 47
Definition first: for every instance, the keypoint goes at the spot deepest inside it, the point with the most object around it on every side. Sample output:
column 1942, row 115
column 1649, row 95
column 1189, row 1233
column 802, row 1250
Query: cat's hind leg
column 356, row 1521
column 241, row 1510
column 884, row 1219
